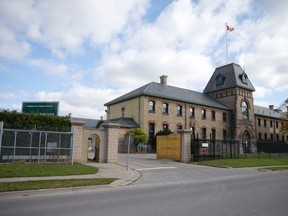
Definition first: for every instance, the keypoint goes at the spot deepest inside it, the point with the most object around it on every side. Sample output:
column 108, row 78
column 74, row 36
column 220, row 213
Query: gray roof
column 228, row 76
column 158, row 90
column 123, row 122
column 263, row 111
column 89, row 123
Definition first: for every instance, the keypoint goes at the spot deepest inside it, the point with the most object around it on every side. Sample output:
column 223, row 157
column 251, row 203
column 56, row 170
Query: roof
column 123, row 122
column 263, row 111
column 158, row 90
column 228, row 76
column 89, row 123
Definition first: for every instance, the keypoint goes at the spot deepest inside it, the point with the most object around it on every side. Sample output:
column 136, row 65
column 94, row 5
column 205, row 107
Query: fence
column 35, row 146
column 214, row 149
column 272, row 148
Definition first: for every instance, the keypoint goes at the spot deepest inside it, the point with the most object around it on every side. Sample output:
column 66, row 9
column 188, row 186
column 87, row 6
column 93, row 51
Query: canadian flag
column 228, row 28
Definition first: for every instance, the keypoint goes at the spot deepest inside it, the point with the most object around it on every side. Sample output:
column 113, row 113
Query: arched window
column 245, row 112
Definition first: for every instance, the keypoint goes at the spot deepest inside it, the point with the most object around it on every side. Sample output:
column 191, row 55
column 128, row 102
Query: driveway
column 166, row 171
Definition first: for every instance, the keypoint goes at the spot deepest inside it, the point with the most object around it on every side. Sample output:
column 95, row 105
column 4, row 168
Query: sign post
column 128, row 151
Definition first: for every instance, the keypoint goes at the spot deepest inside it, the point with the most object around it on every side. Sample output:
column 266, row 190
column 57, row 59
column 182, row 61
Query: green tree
column 138, row 134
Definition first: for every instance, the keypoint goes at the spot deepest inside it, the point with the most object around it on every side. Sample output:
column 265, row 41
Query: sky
column 86, row 53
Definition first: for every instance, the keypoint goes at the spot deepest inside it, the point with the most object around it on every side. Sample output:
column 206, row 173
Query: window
column 165, row 127
column 259, row 122
column 224, row 117
column 179, row 110
column 165, row 108
column 151, row 133
column 277, row 137
column 213, row 115
column 179, row 127
column 192, row 112
column 123, row 111
column 245, row 112
column 220, row 79
column 224, row 135
column 213, row 134
column 277, row 125
column 271, row 124
column 259, row 136
column 265, row 123
column 203, row 134
column 192, row 129
column 151, row 106
column 265, row 136
column 203, row 114
column 271, row 137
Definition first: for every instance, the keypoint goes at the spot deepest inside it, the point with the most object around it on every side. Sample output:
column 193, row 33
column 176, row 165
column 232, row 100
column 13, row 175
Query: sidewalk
column 106, row 170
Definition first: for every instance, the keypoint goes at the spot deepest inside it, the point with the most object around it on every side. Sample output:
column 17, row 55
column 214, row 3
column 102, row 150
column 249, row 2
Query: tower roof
column 228, row 76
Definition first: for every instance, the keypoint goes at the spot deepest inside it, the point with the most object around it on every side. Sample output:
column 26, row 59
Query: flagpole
column 226, row 43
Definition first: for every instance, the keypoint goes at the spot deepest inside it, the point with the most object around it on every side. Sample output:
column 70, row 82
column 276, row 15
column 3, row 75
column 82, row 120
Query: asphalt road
column 166, row 188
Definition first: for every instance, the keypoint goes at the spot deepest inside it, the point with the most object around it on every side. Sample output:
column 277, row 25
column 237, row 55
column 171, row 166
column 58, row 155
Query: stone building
column 225, row 109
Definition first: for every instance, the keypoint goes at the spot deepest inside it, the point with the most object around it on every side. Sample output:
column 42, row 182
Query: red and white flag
column 228, row 28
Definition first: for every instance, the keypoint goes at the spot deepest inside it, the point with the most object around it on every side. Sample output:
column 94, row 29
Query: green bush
column 29, row 121
column 138, row 134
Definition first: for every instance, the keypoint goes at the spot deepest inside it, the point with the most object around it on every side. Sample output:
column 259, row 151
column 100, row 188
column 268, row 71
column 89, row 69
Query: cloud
column 63, row 27
column 49, row 67
column 79, row 100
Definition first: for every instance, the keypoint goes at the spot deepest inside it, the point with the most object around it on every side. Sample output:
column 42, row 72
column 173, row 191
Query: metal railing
column 35, row 146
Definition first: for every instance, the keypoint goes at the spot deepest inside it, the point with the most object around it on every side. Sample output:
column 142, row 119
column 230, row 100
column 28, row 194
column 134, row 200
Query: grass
column 46, row 184
column 39, row 170
column 246, row 162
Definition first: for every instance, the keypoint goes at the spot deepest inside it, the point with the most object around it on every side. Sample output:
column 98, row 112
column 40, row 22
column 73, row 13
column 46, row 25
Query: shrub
column 138, row 134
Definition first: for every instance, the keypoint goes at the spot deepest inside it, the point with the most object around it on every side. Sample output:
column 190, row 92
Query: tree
column 138, row 134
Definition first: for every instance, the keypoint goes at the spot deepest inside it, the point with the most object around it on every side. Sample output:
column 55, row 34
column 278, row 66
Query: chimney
column 163, row 79
column 271, row 107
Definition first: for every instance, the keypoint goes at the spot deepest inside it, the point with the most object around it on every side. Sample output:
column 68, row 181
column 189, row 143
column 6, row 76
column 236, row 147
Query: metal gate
column 35, row 146
column 214, row 149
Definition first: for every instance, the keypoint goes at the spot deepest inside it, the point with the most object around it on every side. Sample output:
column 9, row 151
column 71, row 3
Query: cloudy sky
column 86, row 53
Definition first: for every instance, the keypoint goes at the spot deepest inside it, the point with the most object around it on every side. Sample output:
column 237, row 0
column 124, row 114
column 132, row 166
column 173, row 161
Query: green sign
column 42, row 108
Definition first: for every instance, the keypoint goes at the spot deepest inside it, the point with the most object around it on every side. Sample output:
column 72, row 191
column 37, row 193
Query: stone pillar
column 185, row 145
column 79, row 155
column 112, row 142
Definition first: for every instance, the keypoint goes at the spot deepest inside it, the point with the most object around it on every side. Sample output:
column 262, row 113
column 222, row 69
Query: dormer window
column 220, row 79
column 244, row 78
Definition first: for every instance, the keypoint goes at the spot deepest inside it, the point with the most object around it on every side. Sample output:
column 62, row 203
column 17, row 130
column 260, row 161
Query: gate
column 214, row 149
column 35, row 146
column 169, row 147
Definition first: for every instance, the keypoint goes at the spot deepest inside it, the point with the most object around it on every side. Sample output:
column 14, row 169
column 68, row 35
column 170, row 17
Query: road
column 166, row 188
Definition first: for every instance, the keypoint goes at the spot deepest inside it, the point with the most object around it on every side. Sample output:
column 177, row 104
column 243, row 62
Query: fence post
column 15, row 140
column 71, row 146
column 1, row 132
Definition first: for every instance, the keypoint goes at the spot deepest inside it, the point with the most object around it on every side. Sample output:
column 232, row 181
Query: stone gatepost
column 112, row 142
column 185, row 145
column 79, row 155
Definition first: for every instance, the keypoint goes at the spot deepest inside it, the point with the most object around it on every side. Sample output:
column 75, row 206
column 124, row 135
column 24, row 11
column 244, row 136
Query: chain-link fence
column 35, row 146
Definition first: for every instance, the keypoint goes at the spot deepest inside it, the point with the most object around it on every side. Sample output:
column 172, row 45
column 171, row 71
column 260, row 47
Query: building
column 225, row 109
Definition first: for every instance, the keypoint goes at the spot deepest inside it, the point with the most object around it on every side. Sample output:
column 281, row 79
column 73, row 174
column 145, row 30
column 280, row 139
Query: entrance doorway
column 94, row 147
column 246, row 142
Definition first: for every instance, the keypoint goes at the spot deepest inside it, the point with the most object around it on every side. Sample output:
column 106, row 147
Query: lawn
column 247, row 162
column 38, row 170
column 46, row 184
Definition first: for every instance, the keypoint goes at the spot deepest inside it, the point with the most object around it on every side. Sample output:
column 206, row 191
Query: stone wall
column 108, row 142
